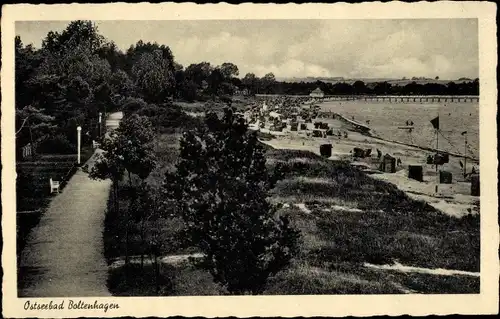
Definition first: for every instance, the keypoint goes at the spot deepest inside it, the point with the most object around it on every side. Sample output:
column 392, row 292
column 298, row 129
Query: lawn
column 361, row 219
column 346, row 218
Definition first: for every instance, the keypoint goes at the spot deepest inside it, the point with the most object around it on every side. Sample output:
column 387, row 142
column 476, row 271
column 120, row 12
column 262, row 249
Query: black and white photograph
column 246, row 157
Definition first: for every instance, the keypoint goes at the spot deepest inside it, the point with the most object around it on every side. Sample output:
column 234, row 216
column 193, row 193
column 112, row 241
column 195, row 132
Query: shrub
column 226, row 99
column 168, row 116
column 220, row 189
column 132, row 105
column 58, row 144
column 25, row 187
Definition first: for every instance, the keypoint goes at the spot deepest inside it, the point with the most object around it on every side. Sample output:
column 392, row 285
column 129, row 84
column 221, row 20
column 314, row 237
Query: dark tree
column 154, row 76
column 220, row 189
column 128, row 149
column 250, row 82
column 215, row 81
column 198, row 72
column 135, row 52
column 359, row 87
column 229, row 70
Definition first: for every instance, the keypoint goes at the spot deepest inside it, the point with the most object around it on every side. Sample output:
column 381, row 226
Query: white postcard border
column 286, row 306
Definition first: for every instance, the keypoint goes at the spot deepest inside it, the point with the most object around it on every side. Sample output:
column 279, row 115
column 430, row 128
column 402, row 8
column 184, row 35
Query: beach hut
column 361, row 153
column 325, row 150
column 324, row 126
column 358, row 152
column 319, row 133
column 388, row 164
column 474, row 185
column 442, row 158
column 430, row 159
column 445, row 177
column 416, row 172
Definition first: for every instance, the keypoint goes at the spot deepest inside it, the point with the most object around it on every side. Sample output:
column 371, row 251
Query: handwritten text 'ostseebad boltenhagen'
column 70, row 305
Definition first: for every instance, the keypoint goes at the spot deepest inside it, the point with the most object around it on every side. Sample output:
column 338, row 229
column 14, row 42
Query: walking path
column 64, row 254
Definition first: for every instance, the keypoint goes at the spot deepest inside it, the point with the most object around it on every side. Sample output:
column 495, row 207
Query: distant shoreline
column 362, row 96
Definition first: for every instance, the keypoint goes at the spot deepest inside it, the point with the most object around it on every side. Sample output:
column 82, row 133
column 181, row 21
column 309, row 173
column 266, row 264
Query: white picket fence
column 27, row 150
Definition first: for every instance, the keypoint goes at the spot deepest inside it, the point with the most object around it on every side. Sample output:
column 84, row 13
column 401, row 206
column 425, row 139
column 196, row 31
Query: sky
column 447, row 48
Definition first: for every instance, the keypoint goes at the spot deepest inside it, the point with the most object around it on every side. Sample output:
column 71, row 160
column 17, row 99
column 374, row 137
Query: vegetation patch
column 335, row 243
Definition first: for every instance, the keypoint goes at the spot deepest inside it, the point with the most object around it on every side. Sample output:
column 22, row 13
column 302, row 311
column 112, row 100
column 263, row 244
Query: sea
column 387, row 119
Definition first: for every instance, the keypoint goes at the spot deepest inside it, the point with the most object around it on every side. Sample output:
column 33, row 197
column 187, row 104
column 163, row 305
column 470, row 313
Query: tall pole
column 100, row 116
column 79, row 131
column 465, row 155
column 436, row 158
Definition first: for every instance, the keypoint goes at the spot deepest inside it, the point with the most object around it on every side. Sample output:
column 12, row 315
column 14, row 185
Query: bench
column 54, row 186
column 96, row 144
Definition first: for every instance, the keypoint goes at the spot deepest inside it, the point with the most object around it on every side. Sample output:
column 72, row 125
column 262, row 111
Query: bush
column 132, row 105
column 220, row 189
column 168, row 116
column 58, row 144
column 226, row 99
column 151, row 111
column 25, row 187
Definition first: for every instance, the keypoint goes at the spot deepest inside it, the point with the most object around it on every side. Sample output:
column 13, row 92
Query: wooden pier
column 405, row 98
column 383, row 98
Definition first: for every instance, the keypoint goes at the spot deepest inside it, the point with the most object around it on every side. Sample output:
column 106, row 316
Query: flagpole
column 435, row 124
column 436, row 158
column 465, row 155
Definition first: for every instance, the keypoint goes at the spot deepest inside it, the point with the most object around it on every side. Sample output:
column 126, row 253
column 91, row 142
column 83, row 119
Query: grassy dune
column 361, row 219
column 347, row 219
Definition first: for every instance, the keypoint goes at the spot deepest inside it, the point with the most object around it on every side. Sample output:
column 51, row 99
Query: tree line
column 77, row 74
column 376, row 88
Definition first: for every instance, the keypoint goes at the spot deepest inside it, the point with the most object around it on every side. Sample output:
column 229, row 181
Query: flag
column 464, row 132
column 435, row 122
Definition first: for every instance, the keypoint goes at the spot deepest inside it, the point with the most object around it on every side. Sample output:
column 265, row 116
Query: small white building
column 317, row 93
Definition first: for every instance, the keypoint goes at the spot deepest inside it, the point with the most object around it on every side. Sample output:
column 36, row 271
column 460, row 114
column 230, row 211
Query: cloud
column 292, row 68
column 447, row 48
column 216, row 49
